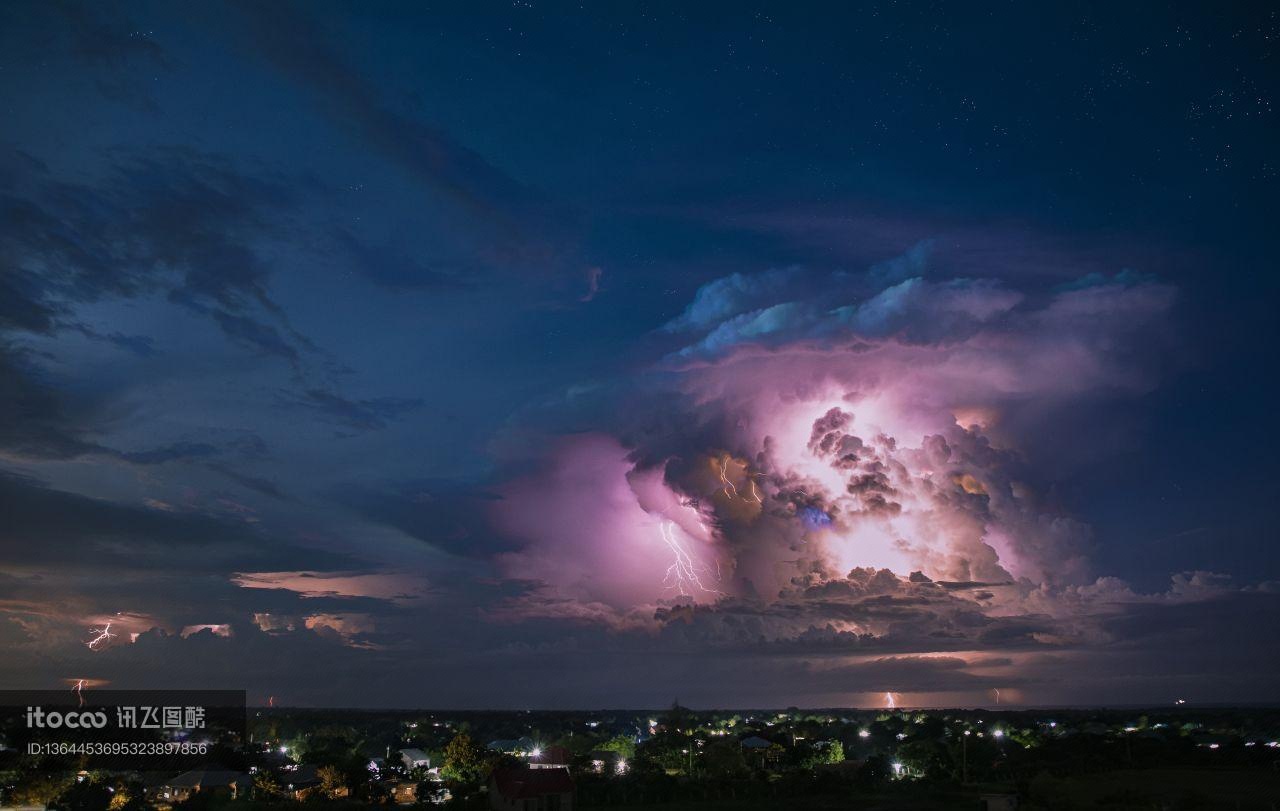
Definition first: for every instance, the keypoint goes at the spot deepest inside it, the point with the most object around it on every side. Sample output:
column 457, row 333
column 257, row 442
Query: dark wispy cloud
column 353, row 414
column 36, row 419
column 174, row 222
column 509, row 224
column 445, row 514
column 121, row 55
column 68, row 532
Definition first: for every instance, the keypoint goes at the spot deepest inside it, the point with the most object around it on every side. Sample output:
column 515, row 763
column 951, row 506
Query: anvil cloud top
column 754, row 354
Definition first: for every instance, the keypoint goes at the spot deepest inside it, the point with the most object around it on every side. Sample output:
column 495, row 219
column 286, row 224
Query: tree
column 463, row 760
column 38, row 788
column 833, row 752
column 265, row 786
column 83, row 795
column 678, row 718
column 624, row 746
column 128, row 797
column 332, row 781
column 724, row 759
column 925, row 757
column 875, row 770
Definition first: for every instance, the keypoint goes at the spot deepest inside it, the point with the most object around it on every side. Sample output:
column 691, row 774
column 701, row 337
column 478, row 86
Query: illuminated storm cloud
column 861, row 429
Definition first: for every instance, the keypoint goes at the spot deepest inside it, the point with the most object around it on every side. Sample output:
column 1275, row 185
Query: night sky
column 554, row 355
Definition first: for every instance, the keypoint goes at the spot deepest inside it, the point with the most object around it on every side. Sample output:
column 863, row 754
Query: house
column 553, row 757
column 606, row 761
column 415, row 759
column 513, row 746
column 401, row 792
column 300, row 782
column 529, row 789
column 759, row 751
column 178, row 789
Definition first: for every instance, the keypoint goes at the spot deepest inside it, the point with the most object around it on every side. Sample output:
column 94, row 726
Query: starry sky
column 565, row 355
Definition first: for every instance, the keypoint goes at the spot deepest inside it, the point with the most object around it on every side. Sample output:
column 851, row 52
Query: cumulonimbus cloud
column 801, row 431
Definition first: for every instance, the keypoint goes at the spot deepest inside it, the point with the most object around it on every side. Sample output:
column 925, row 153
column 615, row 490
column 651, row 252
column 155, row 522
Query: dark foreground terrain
column 681, row 759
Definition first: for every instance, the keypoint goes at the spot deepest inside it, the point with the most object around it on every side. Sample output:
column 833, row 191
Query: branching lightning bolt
column 102, row 636
column 890, row 701
column 685, row 574
column 728, row 489
column 731, row 490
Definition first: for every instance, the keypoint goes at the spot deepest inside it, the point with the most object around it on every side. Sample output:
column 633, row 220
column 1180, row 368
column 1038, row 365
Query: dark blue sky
column 301, row 288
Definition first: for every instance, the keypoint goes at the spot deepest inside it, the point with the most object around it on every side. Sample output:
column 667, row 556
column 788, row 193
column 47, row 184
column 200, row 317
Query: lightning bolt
column 997, row 692
column 79, row 690
column 685, row 574
column 728, row 489
column 102, row 636
column 890, row 701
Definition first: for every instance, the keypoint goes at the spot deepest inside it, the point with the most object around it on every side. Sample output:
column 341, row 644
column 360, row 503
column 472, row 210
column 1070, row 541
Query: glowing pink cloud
column 865, row 435
column 221, row 629
column 593, row 525
column 392, row 586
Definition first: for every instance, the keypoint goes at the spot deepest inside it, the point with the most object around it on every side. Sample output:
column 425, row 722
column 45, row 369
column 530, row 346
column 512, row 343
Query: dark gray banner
column 128, row 730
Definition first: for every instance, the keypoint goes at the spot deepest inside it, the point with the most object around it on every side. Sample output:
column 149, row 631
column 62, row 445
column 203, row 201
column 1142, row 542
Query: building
column 415, row 759
column 531, row 789
column 606, row 761
column 401, row 792
column 758, row 751
column 518, row 747
column 553, row 757
column 181, row 788
column 300, row 782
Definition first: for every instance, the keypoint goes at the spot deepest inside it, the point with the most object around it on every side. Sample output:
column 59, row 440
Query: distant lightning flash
column 684, row 574
column 890, row 701
column 102, row 636
column 997, row 691
column 79, row 690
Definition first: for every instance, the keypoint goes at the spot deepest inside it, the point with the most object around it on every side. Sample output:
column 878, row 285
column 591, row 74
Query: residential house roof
column 527, row 784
